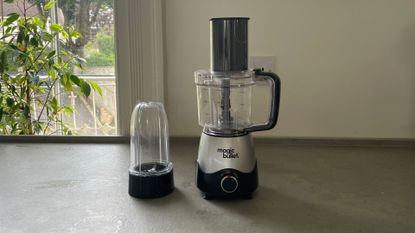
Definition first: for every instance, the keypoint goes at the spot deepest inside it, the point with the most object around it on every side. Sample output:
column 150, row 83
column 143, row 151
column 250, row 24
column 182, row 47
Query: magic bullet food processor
column 226, row 163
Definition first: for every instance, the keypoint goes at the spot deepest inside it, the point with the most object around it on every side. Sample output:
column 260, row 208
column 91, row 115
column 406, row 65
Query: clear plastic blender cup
column 151, row 172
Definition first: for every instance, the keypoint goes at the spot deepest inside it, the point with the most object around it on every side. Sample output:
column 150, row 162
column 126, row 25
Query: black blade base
column 151, row 186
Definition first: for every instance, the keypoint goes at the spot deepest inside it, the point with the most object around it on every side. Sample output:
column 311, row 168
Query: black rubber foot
column 151, row 186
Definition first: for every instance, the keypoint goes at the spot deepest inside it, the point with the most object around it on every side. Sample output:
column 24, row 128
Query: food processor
column 226, row 163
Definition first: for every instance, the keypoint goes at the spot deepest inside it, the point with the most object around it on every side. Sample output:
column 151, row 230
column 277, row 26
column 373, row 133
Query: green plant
column 31, row 67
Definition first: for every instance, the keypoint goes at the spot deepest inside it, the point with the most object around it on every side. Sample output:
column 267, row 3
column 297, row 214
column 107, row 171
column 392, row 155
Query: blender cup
column 150, row 172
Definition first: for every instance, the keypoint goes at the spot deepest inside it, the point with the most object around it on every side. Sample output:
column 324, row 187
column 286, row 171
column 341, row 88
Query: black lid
column 229, row 44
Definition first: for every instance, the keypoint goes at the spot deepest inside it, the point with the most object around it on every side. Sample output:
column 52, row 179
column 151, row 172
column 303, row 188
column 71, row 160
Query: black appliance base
column 227, row 183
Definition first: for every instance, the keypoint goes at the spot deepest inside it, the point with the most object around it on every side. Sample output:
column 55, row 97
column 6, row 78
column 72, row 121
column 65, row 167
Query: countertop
column 83, row 188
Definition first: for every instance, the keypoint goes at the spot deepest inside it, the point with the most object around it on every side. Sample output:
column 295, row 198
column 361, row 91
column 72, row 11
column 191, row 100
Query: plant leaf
column 75, row 34
column 65, row 34
column 67, row 110
column 96, row 87
column 51, row 54
column 79, row 60
column 34, row 42
column 49, row 5
column 54, row 105
column 86, row 89
column 9, row 102
column 10, row 19
column 56, row 27
column 20, row 36
column 3, row 62
column 67, row 83
column 38, row 21
column 15, row 48
column 76, row 80
column 21, row 47
column 38, row 126
column 26, row 111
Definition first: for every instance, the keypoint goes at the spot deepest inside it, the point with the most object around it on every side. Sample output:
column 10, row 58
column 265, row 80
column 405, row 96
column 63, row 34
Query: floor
column 83, row 188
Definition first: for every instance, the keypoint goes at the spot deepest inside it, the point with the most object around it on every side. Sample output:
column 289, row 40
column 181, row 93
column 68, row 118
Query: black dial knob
column 229, row 184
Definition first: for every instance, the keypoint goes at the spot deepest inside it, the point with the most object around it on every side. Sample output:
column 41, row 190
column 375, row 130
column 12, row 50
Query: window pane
column 94, row 19
column 93, row 115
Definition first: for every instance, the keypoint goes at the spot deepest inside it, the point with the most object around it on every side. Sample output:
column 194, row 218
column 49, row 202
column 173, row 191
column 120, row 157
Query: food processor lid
column 229, row 44
column 224, row 79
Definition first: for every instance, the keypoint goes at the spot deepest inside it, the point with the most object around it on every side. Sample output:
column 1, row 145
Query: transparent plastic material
column 224, row 100
column 149, row 140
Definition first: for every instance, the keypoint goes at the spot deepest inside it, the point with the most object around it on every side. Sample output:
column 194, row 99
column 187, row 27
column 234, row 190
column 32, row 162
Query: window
column 94, row 19
column 137, row 26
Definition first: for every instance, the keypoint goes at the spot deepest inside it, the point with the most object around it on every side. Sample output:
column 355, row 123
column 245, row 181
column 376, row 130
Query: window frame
column 139, row 67
column 139, row 56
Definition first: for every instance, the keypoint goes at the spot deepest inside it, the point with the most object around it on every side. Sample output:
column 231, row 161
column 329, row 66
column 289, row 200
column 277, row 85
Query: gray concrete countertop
column 83, row 188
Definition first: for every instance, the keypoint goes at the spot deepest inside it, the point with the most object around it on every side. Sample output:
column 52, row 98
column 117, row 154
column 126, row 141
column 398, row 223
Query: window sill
column 65, row 139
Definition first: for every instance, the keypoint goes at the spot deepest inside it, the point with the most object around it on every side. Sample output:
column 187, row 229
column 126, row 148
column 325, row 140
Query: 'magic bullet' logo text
column 228, row 153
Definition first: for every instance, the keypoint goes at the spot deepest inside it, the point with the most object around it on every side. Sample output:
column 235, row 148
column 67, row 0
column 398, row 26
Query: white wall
column 347, row 67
